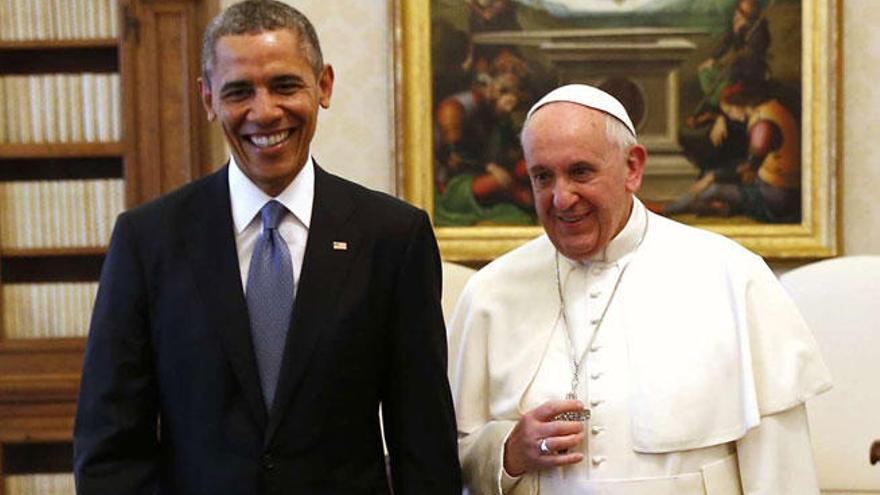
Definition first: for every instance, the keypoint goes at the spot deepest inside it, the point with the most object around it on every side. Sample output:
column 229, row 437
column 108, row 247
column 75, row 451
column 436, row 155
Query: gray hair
column 254, row 17
column 619, row 134
column 616, row 132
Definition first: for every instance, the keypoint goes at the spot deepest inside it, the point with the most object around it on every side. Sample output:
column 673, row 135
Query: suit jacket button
column 268, row 462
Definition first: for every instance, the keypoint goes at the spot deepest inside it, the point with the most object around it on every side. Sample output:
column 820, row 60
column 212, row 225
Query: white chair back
column 840, row 300
column 454, row 278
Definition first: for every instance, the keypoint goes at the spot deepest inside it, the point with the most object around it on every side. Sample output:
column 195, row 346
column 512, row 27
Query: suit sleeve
column 115, row 437
column 417, row 407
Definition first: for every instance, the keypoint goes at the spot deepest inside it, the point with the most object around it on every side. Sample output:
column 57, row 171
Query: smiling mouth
column 268, row 140
column 572, row 218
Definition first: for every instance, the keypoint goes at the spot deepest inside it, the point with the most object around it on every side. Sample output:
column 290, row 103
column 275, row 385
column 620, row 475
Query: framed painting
column 737, row 102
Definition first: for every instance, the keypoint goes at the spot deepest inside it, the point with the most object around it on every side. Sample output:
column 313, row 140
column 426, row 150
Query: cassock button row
column 596, row 402
column 596, row 429
column 598, row 459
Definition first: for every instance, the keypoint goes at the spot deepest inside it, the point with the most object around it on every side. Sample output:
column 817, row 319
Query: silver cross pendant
column 582, row 415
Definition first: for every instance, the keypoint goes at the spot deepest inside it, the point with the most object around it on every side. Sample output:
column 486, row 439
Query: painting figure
column 768, row 188
column 709, row 138
column 480, row 174
column 742, row 53
column 484, row 16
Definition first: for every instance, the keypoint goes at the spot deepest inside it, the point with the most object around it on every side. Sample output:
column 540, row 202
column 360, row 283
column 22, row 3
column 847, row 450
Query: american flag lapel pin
column 340, row 246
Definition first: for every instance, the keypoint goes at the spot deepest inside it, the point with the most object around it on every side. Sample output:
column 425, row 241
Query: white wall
column 861, row 128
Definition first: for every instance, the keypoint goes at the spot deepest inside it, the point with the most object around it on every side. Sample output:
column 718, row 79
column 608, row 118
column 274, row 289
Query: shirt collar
column 625, row 242
column 247, row 199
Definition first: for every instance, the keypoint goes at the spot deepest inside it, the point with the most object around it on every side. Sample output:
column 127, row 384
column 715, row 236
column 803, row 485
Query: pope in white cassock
column 624, row 353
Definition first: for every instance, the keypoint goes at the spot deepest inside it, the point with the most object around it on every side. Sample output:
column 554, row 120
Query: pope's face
column 265, row 94
column 582, row 183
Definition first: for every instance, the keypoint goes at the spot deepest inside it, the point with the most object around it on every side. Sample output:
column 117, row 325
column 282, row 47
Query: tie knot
column 272, row 213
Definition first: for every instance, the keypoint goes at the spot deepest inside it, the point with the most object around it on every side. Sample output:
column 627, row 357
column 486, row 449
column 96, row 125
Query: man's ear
column 207, row 98
column 636, row 158
column 325, row 85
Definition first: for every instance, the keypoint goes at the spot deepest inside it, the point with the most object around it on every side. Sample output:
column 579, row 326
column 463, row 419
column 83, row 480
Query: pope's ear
column 636, row 157
column 207, row 99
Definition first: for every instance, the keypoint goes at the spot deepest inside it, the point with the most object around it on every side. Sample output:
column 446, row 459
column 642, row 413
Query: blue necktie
column 270, row 298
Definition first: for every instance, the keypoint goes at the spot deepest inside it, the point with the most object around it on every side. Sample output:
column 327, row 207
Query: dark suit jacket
column 170, row 397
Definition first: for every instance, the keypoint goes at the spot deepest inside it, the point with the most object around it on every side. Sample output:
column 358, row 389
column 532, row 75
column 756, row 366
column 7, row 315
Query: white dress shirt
column 247, row 199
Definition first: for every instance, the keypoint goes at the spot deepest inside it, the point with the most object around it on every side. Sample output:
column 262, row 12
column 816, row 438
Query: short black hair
column 254, row 17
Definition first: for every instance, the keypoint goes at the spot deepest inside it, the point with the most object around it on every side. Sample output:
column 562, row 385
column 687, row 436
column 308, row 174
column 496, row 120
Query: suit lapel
column 210, row 246
column 324, row 270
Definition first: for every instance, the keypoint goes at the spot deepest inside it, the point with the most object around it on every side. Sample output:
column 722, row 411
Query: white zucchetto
column 589, row 97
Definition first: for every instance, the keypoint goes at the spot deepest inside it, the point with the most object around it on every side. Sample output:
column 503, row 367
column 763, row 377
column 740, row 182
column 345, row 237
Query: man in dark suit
column 249, row 325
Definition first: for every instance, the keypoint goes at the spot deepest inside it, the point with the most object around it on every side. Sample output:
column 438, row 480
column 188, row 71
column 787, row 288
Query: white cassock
column 696, row 378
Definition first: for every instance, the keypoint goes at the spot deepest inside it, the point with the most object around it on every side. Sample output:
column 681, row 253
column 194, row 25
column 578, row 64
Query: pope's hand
column 522, row 451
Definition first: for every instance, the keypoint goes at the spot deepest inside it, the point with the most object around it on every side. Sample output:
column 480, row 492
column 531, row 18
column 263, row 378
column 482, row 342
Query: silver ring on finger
column 543, row 448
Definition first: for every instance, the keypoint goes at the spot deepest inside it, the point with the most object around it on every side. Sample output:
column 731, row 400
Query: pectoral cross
column 582, row 415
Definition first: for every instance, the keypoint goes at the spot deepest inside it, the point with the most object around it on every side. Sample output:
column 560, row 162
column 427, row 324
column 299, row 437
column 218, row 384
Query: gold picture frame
column 817, row 234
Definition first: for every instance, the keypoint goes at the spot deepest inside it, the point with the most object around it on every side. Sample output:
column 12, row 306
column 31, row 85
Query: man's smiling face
column 582, row 182
column 265, row 93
